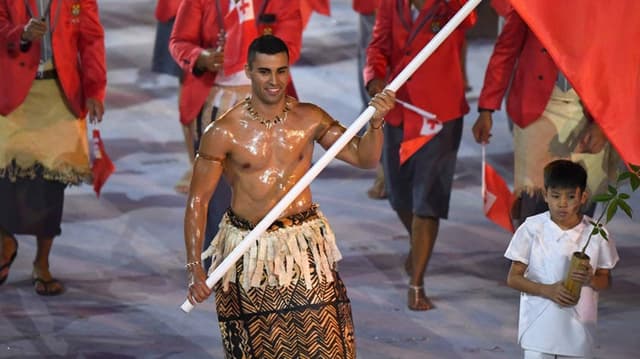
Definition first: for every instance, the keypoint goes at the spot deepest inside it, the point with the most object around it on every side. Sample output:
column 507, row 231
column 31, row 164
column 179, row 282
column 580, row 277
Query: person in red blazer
column 419, row 189
column 82, row 74
column 550, row 122
column 53, row 71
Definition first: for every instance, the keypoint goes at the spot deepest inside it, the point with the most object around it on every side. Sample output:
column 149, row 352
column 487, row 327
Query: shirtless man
column 263, row 146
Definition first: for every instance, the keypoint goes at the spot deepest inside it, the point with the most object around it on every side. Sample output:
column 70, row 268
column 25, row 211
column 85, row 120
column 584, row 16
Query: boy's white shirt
column 546, row 249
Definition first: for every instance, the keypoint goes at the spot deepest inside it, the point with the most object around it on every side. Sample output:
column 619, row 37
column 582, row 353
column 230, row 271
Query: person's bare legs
column 43, row 280
column 406, row 218
column 424, row 231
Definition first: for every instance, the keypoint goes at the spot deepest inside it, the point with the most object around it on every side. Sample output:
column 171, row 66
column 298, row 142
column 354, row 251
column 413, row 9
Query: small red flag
column 101, row 167
column 419, row 127
column 497, row 198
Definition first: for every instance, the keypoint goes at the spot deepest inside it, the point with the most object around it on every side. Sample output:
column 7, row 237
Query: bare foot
column 417, row 300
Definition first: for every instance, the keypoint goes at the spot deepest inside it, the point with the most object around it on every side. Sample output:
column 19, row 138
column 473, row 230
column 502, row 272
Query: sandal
column 417, row 300
column 47, row 287
column 7, row 265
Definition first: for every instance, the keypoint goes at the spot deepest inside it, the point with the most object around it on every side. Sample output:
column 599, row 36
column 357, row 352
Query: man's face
column 269, row 75
column 564, row 205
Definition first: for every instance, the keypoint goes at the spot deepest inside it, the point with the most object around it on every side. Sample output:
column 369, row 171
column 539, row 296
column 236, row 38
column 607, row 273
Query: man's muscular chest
column 279, row 146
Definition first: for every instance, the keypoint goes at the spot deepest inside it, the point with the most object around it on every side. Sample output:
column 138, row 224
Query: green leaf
column 602, row 197
column 635, row 168
column 595, row 230
column 611, row 210
column 603, row 233
column 613, row 190
column 623, row 196
column 635, row 182
column 593, row 223
column 626, row 208
column 623, row 176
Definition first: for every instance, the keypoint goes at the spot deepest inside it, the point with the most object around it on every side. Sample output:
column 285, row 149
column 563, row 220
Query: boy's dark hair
column 564, row 174
column 266, row 44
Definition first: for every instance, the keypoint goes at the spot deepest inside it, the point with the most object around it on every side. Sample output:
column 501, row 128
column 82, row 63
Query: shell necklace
column 281, row 118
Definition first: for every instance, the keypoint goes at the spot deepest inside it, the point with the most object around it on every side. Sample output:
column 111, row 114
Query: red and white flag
column 101, row 165
column 496, row 196
column 240, row 23
column 417, row 133
column 591, row 42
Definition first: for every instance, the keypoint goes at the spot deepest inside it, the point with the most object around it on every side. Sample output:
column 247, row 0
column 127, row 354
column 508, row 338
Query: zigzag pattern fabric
column 297, row 320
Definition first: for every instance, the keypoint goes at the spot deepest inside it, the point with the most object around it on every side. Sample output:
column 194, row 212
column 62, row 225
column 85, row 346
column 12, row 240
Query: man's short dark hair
column 565, row 174
column 266, row 44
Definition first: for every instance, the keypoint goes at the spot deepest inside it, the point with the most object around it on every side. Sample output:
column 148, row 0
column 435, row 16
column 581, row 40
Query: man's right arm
column 207, row 170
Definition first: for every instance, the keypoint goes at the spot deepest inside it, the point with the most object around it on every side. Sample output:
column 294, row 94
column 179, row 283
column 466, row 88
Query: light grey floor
column 121, row 256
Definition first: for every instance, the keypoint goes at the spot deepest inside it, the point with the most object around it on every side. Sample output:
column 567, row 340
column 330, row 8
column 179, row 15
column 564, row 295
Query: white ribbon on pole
column 418, row 110
column 331, row 153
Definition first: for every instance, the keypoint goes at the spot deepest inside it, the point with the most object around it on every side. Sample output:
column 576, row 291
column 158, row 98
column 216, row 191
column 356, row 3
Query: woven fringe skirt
column 308, row 317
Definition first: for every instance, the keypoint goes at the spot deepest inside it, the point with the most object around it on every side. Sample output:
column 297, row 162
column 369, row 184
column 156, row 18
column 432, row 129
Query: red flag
column 240, row 23
column 322, row 7
column 497, row 198
column 419, row 127
column 591, row 41
column 416, row 137
column 102, row 167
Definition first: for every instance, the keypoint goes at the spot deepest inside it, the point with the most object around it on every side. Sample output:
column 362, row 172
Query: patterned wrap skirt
column 284, row 299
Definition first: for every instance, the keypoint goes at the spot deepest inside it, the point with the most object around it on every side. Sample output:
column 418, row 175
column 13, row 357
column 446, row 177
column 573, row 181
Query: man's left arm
column 362, row 152
column 92, row 59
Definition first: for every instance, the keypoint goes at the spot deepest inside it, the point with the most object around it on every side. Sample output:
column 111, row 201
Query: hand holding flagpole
column 330, row 154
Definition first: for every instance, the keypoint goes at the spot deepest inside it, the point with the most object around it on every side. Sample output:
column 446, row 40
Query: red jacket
column 517, row 51
column 166, row 9
column 365, row 7
column 196, row 28
column 78, row 50
column 438, row 85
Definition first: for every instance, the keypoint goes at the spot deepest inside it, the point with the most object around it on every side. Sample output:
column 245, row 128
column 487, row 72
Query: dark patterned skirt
column 296, row 320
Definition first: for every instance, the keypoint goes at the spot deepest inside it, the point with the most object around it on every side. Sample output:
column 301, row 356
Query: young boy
column 553, row 323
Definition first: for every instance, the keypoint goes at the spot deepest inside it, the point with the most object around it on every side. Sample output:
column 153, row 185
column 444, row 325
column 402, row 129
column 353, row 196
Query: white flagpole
column 331, row 153
column 483, row 188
